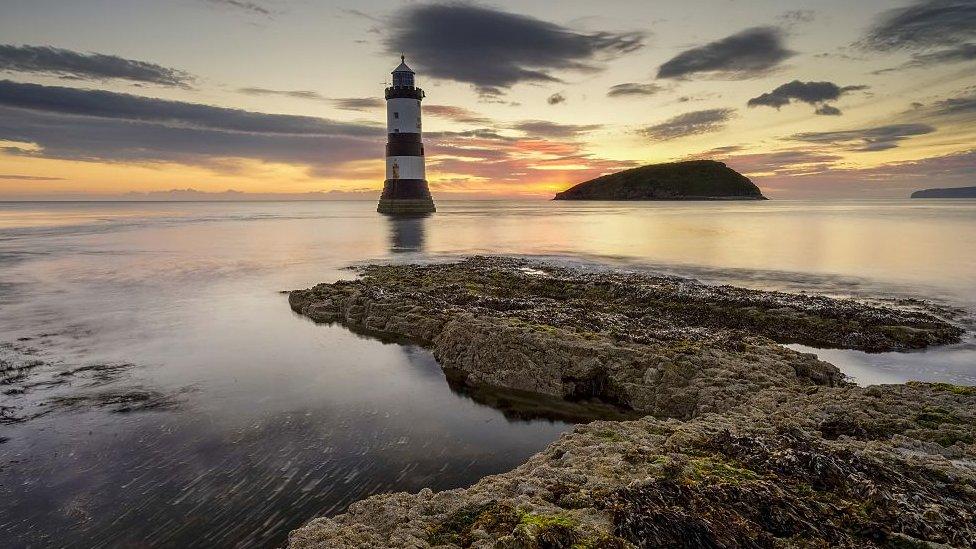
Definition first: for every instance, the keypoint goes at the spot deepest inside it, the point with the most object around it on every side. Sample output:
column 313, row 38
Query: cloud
column 493, row 50
column 957, row 105
column 960, row 53
column 345, row 103
column 87, row 66
column 690, row 123
column 748, row 54
column 297, row 94
column 358, row 103
column 99, row 126
column 957, row 54
column 14, row 177
column 457, row 114
column 633, row 88
column 785, row 162
column 830, row 178
column 924, row 25
column 795, row 17
column 93, row 125
column 556, row 99
column 104, row 104
column 878, row 138
column 827, row 110
column 544, row 128
column 475, row 158
column 242, row 5
column 813, row 93
column 802, row 173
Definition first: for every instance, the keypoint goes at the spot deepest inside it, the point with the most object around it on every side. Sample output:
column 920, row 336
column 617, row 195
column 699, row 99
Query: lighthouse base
column 406, row 197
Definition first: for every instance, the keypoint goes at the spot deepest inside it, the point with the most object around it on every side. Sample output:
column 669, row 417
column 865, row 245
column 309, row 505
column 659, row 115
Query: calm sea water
column 259, row 420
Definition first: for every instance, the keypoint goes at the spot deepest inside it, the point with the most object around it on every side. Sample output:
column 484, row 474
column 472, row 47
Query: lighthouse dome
column 403, row 75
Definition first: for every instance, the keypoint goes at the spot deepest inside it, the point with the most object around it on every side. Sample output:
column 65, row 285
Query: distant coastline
column 952, row 192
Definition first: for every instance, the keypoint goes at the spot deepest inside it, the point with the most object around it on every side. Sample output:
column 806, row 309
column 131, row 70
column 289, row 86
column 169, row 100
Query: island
column 689, row 180
column 731, row 440
column 952, row 192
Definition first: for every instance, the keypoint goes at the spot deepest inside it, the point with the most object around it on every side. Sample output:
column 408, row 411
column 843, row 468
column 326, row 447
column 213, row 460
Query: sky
column 144, row 99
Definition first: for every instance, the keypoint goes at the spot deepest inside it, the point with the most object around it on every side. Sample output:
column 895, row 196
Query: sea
column 157, row 391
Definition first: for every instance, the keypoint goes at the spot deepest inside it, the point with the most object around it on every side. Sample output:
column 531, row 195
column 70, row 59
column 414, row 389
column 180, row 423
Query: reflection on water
column 406, row 232
column 952, row 364
column 275, row 419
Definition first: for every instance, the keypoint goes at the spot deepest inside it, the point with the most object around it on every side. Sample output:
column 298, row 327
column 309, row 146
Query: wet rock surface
column 743, row 443
column 775, row 473
column 33, row 386
column 660, row 345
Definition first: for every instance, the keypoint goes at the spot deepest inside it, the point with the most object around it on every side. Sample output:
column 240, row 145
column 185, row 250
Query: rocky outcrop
column 952, row 192
column 888, row 466
column 743, row 443
column 690, row 180
column 664, row 346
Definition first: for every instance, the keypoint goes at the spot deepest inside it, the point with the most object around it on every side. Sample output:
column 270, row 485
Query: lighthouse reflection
column 406, row 233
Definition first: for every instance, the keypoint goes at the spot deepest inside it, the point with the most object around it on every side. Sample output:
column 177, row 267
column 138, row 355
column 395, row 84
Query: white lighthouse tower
column 405, row 190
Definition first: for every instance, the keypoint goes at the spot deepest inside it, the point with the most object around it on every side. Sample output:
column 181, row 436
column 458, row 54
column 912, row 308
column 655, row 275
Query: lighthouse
column 405, row 190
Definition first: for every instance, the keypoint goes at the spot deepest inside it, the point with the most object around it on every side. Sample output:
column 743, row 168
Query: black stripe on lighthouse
column 404, row 144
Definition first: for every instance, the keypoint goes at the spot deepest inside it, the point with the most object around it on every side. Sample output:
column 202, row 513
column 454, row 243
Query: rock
column 759, row 475
column 594, row 335
column 742, row 443
column 952, row 192
column 691, row 180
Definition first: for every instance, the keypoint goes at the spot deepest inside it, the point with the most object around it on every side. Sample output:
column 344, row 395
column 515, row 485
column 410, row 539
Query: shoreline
column 723, row 403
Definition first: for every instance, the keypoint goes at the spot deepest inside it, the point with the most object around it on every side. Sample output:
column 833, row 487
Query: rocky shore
column 741, row 442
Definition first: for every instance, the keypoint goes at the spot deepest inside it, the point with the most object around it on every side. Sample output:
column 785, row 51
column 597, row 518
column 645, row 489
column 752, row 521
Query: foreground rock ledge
column 773, row 447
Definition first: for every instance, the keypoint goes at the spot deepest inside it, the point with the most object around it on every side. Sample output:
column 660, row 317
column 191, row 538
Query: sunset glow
column 287, row 99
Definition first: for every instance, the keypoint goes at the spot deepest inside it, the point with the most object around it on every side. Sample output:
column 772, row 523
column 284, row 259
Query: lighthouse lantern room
column 405, row 190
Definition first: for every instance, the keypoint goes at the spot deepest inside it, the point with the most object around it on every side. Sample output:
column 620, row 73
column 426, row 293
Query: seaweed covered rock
column 689, row 180
column 774, row 473
column 665, row 346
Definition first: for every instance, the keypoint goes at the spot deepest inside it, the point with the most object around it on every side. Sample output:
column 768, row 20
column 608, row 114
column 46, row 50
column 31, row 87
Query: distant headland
column 955, row 192
column 690, row 180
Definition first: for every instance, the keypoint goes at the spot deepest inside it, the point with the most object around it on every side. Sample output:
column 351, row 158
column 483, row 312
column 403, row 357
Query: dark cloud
column 243, row 5
column 457, row 114
column 957, row 105
column 77, row 124
column 878, row 138
column 690, row 123
column 87, row 66
column 633, row 88
column 748, row 54
column 813, row 93
column 556, row 99
column 345, row 103
column 827, row 110
column 963, row 52
column 15, row 177
column 719, row 151
column 493, row 50
column 358, row 103
column 544, row 128
column 957, row 54
column 924, row 25
column 104, row 104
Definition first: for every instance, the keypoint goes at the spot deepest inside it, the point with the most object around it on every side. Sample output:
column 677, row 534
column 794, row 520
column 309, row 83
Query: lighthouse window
column 396, row 115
